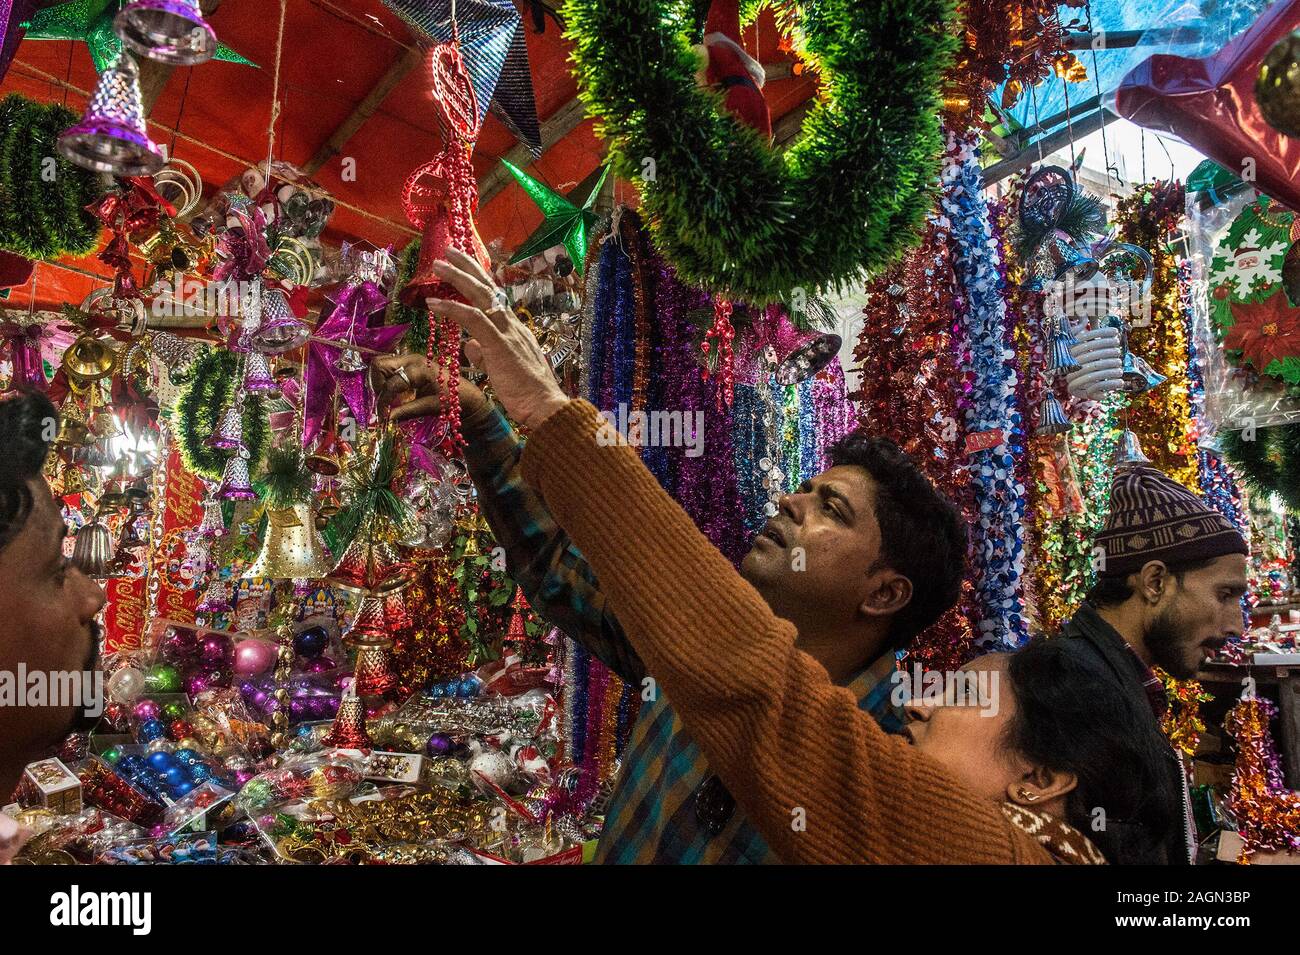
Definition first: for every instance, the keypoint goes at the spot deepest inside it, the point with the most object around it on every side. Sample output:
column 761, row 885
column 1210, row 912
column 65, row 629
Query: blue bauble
column 200, row 773
column 436, row 691
column 469, row 687
column 151, row 730
column 183, row 788
column 160, row 760
column 186, row 756
column 311, row 642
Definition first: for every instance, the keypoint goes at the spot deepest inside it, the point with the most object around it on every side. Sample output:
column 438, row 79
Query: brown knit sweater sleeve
column 815, row 774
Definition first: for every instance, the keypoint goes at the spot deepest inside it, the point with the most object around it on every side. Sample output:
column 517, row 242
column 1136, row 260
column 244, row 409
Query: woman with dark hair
column 47, row 607
column 1064, row 722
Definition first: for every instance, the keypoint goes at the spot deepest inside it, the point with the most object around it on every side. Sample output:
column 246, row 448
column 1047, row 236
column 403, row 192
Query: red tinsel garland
column 906, row 355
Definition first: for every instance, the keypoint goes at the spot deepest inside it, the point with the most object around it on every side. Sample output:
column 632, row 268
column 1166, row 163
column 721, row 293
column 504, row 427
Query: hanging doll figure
column 732, row 71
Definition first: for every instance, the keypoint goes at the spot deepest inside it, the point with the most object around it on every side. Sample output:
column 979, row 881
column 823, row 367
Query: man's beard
column 1164, row 642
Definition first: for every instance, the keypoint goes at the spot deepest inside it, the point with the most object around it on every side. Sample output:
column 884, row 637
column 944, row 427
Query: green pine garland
column 1270, row 464
column 367, row 489
column 41, row 218
column 285, row 480
column 198, row 411
column 417, row 336
column 732, row 214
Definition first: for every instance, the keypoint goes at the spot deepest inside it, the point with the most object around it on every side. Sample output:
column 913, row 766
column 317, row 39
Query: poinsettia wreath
column 1249, row 306
column 736, row 216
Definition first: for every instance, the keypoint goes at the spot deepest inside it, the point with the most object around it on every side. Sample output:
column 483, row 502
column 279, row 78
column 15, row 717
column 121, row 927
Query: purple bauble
column 242, row 776
column 217, row 650
column 298, row 709
column 254, row 656
column 146, row 710
column 440, row 744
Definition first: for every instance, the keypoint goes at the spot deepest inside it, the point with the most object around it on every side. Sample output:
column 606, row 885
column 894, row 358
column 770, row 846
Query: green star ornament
column 91, row 22
column 566, row 223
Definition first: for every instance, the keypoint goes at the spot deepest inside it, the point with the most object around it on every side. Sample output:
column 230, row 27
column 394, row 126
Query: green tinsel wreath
column 198, row 411
column 743, row 219
column 42, row 218
column 1270, row 464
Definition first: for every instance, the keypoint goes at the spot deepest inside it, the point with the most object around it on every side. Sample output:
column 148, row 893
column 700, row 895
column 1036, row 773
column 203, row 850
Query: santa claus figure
column 732, row 71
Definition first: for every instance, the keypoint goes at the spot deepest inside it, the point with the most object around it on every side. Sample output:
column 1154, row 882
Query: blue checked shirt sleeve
column 554, row 576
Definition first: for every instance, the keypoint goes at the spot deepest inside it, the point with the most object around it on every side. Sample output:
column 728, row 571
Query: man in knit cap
column 1171, row 575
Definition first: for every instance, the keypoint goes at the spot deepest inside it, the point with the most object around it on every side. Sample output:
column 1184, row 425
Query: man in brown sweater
column 813, row 773
column 861, row 559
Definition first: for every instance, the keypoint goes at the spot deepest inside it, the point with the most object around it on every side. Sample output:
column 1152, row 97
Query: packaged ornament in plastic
column 331, row 775
column 186, row 848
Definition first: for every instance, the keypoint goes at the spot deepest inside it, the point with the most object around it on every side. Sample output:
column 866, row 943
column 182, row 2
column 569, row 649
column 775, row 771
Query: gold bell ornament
column 73, row 430
column 88, row 359
column 292, row 549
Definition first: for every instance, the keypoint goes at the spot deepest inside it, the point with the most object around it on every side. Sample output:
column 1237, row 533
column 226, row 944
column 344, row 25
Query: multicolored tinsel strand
column 1182, row 723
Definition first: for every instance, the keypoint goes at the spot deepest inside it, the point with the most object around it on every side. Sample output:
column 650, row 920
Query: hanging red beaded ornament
column 720, row 337
column 440, row 198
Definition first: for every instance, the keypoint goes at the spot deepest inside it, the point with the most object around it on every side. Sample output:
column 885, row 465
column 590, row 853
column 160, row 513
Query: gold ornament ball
column 1277, row 88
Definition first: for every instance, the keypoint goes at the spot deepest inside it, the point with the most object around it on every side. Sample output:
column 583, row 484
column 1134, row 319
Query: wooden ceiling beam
column 408, row 61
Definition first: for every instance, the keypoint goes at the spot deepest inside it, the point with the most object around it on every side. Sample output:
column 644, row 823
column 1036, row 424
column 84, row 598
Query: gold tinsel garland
column 1162, row 417
column 1182, row 723
column 1267, row 813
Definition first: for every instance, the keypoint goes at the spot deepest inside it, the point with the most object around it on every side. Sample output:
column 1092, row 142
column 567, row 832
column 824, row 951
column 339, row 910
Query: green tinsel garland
column 42, row 218
column 1270, row 464
column 198, row 411
column 732, row 214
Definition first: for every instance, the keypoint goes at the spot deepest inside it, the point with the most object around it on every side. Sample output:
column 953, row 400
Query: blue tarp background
column 1211, row 22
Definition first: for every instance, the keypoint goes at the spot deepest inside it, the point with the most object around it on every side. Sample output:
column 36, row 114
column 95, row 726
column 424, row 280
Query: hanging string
column 1105, row 147
column 1143, row 135
column 180, row 111
column 275, row 90
column 68, row 78
column 1161, row 141
column 1033, row 96
column 1069, row 124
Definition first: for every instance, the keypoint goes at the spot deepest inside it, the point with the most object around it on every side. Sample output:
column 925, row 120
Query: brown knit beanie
column 1155, row 518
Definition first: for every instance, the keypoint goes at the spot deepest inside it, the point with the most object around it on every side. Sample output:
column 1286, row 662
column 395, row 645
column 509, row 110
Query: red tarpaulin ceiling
column 216, row 116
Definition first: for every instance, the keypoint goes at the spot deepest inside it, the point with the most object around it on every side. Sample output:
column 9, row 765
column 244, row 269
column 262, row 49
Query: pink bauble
column 147, row 710
column 254, row 656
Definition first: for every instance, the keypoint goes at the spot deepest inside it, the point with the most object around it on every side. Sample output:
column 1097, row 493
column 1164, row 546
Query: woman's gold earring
column 1026, row 795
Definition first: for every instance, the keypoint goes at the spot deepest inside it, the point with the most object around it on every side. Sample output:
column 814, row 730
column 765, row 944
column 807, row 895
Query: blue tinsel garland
column 997, row 545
